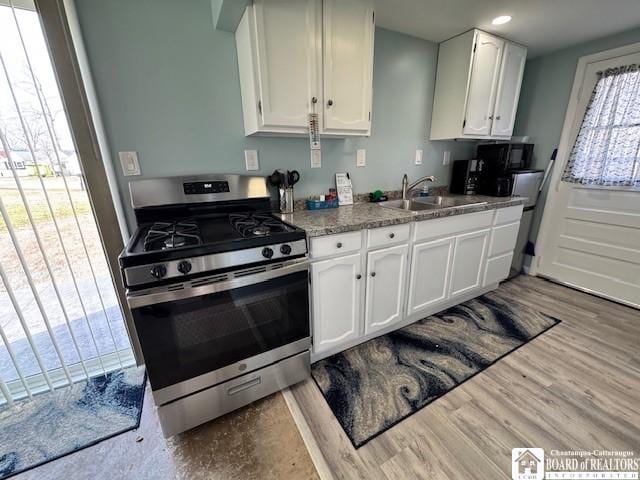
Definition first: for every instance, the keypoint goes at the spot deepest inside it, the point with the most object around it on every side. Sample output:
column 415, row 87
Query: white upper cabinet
column 348, row 31
column 511, row 71
column 279, row 62
column 483, row 85
column 284, row 77
column 287, row 83
column 477, row 87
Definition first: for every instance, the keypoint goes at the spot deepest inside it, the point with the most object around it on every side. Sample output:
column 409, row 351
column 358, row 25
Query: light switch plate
column 361, row 158
column 251, row 160
column 129, row 163
column 419, row 157
column 446, row 159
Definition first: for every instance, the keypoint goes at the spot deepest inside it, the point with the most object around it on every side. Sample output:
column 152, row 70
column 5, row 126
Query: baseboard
column 322, row 467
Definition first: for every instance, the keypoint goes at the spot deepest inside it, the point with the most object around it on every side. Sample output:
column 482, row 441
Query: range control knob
column 158, row 271
column 184, row 267
column 267, row 252
column 285, row 249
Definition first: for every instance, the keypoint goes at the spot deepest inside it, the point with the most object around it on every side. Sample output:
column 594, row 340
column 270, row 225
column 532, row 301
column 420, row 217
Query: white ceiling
column 541, row 25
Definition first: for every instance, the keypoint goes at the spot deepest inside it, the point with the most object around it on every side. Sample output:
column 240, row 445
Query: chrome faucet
column 406, row 187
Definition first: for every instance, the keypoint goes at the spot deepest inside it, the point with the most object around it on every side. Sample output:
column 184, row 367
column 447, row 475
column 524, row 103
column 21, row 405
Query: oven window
column 186, row 338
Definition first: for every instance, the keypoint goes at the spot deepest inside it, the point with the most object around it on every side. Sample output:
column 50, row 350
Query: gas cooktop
column 189, row 226
column 201, row 235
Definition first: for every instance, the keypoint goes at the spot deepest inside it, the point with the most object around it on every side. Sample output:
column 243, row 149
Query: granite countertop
column 360, row 216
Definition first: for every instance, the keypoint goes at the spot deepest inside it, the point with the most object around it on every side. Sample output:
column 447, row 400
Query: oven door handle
column 144, row 299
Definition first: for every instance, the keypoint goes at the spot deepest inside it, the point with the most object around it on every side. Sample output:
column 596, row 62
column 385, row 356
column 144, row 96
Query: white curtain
column 607, row 149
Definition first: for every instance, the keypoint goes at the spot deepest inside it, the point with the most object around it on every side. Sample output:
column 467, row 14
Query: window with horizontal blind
column 607, row 149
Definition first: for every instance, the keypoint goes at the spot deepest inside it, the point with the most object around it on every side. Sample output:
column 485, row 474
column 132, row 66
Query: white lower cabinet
column 497, row 269
column 430, row 273
column 336, row 287
column 386, row 282
column 451, row 260
column 468, row 262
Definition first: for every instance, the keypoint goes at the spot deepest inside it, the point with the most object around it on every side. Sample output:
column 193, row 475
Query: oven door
column 197, row 336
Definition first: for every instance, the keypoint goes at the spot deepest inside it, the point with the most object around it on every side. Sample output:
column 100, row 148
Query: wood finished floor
column 575, row 387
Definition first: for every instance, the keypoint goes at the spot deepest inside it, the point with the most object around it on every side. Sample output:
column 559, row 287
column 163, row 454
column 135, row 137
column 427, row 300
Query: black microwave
column 501, row 157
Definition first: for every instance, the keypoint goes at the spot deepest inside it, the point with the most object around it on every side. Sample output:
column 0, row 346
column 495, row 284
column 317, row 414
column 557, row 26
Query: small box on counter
column 317, row 204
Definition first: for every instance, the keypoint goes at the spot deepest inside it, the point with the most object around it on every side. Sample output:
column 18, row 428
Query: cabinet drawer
column 381, row 237
column 508, row 214
column 441, row 227
column 335, row 244
column 497, row 269
column 503, row 238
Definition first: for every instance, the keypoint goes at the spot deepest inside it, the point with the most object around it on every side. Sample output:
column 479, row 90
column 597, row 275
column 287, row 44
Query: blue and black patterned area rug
column 375, row 385
column 54, row 424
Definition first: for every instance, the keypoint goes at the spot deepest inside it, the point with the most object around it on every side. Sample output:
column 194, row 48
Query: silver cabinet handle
column 244, row 386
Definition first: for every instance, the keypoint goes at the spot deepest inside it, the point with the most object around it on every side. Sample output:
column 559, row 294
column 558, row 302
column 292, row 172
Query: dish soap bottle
column 425, row 190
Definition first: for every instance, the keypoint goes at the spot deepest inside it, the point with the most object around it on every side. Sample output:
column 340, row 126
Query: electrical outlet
column 316, row 158
column 419, row 157
column 361, row 157
column 129, row 162
column 446, row 159
column 251, row 159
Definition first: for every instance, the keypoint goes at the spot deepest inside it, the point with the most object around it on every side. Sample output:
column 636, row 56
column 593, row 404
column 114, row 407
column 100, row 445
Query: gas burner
column 256, row 224
column 168, row 235
column 261, row 231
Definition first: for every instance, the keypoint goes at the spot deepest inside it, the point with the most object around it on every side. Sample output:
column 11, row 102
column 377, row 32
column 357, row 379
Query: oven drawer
column 188, row 412
column 338, row 244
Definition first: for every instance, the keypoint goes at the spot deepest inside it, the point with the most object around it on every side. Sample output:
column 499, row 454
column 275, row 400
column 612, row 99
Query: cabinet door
column 497, row 269
column 430, row 273
column 348, row 64
column 288, row 36
column 336, row 298
column 483, row 84
column 468, row 260
column 511, row 71
column 386, row 279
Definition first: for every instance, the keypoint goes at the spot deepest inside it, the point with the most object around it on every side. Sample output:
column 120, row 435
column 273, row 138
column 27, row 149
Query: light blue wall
column 544, row 97
column 168, row 87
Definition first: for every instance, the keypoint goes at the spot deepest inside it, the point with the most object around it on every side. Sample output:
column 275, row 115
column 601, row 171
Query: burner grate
column 256, row 224
column 167, row 235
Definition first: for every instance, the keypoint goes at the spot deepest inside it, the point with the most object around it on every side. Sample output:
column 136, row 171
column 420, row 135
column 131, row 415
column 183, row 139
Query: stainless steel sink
column 408, row 205
column 429, row 203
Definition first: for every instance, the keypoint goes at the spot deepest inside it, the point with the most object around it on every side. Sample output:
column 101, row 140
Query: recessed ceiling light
column 502, row 19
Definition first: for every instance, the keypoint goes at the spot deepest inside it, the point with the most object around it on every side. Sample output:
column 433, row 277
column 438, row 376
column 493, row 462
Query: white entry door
column 590, row 235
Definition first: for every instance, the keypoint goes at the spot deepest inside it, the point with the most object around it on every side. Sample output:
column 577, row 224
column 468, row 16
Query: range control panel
column 200, row 188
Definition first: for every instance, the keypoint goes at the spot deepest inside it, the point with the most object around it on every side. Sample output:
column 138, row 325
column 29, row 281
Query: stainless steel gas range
column 218, row 290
